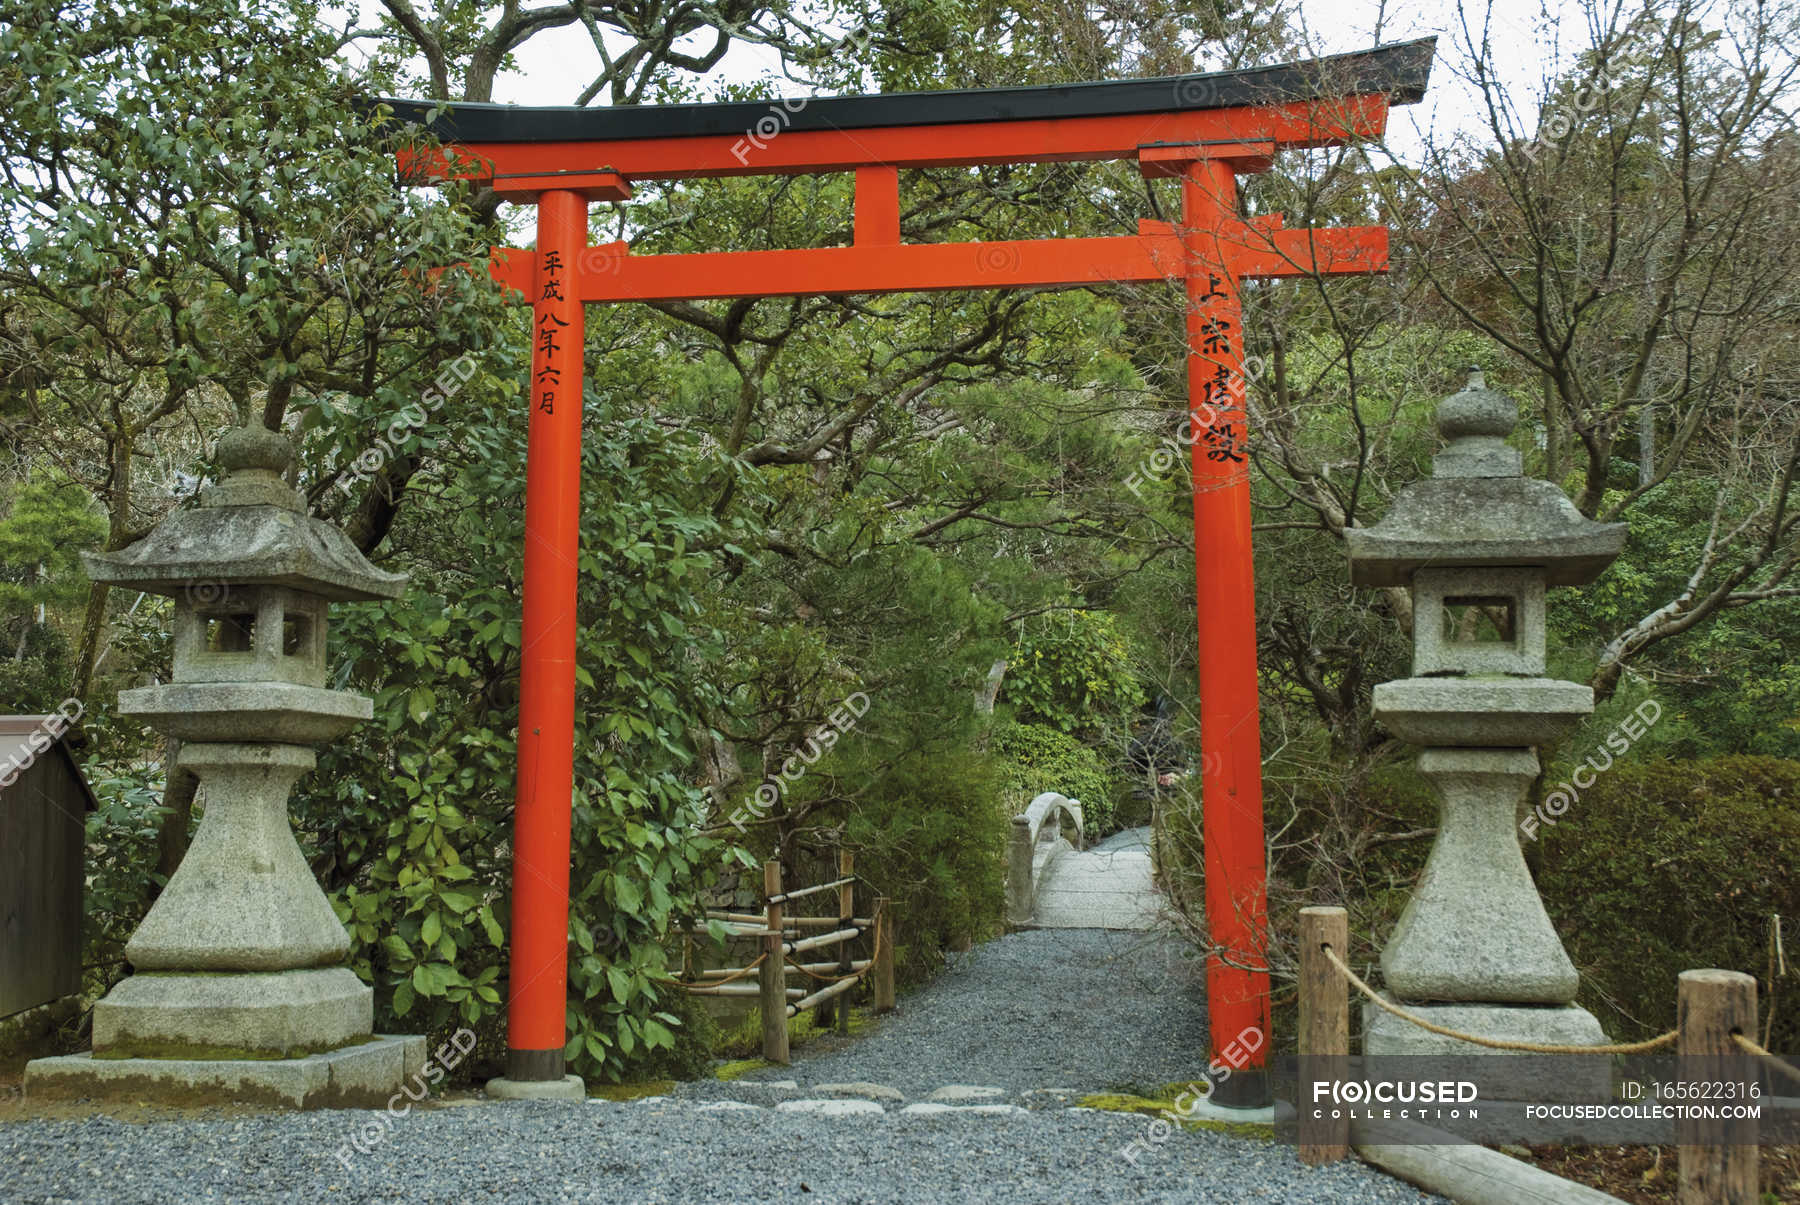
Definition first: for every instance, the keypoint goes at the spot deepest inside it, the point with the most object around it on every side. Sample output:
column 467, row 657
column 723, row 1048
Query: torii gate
column 1204, row 129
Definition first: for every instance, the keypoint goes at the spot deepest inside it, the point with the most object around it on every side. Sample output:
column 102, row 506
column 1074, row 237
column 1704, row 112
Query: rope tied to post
column 1656, row 1043
column 1751, row 1048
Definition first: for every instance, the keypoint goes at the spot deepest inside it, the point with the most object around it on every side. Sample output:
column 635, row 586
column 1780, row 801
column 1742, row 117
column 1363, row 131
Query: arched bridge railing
column 1037, row 836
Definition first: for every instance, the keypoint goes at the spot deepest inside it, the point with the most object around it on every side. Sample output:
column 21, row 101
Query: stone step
column 931, row 1108
column 954, row 1094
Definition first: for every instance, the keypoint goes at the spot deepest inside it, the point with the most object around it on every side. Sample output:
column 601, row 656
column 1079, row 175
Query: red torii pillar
column 1237, row 979
column 538, row 973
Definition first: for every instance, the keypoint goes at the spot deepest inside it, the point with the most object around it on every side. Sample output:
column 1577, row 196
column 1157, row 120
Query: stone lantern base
column 1504, row 1076
column 1476, row 942
column 365, row 1075
column 238, row 991
column 256, row 1014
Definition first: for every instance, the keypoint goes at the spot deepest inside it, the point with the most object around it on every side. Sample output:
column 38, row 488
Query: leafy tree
column 46, row 524
column 1630, row 250
column 199, row 227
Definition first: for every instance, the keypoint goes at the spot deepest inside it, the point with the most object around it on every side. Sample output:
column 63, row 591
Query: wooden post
column 1718, row 1156
column 846, row 913
column 774, row 972
column 1324, row 1030
column 884, row 956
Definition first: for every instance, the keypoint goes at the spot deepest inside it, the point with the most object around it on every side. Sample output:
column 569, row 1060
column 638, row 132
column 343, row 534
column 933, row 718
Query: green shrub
column 1072, row 671
column 931, row 834
column 407, row 820
column 1666, row 866
column 121, row 866
column 697, row 1037
column 1036, row 757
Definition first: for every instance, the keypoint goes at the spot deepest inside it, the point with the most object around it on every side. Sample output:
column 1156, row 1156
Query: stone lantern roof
column 1478, row 510
column 250, row 529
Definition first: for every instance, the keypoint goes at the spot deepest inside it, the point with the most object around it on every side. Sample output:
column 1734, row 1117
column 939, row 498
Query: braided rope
column 1655, row 1043
column 1749, row 1047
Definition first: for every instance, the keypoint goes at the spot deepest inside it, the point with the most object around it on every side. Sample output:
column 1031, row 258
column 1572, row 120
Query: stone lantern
column 239, row 983
column 1477, row 543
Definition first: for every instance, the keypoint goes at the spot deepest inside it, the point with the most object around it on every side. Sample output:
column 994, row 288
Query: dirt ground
column 1647, row 1175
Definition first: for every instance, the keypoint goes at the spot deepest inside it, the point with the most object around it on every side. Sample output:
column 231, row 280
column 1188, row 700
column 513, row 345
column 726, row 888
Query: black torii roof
column 1398, row 70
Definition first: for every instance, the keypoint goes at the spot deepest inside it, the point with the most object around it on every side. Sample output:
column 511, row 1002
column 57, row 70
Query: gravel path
column 668, row 1152
column 1077, row 1010
column 1085, row 1009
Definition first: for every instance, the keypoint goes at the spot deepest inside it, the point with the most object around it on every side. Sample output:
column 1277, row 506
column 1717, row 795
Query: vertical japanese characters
column 548, row 377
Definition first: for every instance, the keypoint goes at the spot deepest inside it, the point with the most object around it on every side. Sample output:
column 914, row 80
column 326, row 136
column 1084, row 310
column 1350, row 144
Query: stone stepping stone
column 773, row 1085
column 862, row 1090
column 727, row 1106
column 965, row 1094
column 931, row 1108
column 838, row 1107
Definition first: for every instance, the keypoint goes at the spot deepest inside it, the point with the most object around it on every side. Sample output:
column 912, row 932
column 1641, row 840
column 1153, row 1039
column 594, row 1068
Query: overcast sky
column 1532, row 39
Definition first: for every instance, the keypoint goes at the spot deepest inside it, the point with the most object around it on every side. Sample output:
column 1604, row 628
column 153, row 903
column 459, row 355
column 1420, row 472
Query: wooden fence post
column 773, row 971
column 1324, row 1031
column 846, row 914
column 884, row 955
column 1718, row 1156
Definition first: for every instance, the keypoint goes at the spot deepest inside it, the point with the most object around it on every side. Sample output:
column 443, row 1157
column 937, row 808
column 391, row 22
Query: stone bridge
column 1054, row 883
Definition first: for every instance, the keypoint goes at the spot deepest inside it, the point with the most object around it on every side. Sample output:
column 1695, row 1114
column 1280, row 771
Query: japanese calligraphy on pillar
column 1218, row 349
column 552, row 334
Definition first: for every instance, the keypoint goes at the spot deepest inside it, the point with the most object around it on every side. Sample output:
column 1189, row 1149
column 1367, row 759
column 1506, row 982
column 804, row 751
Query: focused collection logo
column 1395, row 1100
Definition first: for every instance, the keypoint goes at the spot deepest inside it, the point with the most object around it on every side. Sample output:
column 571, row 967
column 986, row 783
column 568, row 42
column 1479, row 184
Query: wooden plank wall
column 42, row 835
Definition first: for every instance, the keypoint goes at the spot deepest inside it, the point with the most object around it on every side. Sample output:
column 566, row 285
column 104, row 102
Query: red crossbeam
column 612, row 274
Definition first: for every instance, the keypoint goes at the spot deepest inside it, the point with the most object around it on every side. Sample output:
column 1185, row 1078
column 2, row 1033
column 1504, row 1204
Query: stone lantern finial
column 254, row 448
column 1475, row 424
column 255, row 460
